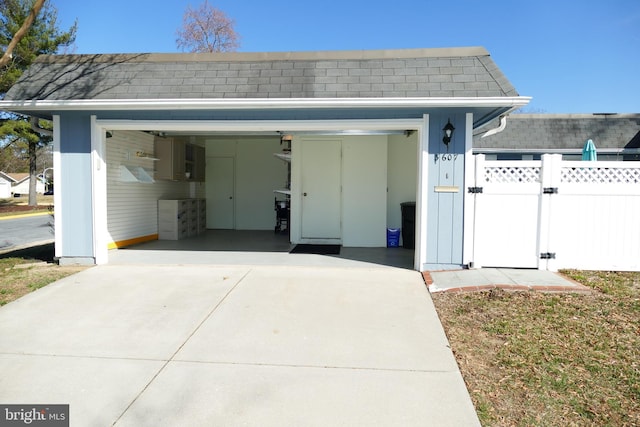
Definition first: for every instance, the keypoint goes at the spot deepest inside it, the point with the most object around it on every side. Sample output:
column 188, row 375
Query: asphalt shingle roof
column 559, row 131
column 452, row 72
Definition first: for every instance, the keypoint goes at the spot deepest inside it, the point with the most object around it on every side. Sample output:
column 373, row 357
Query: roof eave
column 261, row 103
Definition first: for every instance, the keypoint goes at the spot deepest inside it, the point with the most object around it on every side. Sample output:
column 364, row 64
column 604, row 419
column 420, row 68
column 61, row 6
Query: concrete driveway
column 199, row 345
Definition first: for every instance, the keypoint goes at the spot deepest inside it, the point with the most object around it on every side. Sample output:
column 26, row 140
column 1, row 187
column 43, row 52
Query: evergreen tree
column 21, row 135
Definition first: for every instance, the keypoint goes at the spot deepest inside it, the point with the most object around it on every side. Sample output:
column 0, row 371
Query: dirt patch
column 23, row 208
column 19, row 205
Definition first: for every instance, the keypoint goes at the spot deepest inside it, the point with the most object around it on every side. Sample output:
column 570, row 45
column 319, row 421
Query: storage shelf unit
column 182, row 218
column 135, row 174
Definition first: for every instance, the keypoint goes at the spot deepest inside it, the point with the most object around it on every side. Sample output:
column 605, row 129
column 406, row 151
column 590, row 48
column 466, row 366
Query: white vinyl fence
column 553, row 214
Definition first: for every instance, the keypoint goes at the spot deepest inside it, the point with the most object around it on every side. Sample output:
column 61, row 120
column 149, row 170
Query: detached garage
column 342, row 138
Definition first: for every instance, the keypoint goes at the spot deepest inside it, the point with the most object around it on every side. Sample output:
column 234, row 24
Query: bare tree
column 207, row 29
column 6, row 57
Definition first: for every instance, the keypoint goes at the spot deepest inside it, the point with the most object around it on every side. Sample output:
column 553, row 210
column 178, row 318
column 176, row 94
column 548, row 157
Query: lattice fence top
column 600, row 175
column 511, row 174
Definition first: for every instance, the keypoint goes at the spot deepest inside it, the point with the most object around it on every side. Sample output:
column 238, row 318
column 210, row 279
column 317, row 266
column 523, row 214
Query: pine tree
column 20, row 135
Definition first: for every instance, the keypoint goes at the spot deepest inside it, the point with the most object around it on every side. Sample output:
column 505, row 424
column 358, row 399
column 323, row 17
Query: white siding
column 132, row 207
column 23, row 187
column 5, row 189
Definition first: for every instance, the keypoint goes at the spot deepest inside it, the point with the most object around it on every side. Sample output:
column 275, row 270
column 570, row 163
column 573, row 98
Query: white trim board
column 262, row 103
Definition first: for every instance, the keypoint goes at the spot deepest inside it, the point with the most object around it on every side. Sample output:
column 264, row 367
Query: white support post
column 57, row 187
column 99, row 193
column 549, row 181
column 420, row 257
column 478, row 174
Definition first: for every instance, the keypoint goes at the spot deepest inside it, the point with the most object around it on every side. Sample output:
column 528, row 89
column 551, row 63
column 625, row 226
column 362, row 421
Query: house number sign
column 446, row 157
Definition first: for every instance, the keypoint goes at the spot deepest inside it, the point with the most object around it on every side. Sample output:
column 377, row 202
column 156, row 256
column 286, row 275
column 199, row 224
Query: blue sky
column 571, row 56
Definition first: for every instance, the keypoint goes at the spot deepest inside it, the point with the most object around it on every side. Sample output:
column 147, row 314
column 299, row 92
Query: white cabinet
column 179, row 219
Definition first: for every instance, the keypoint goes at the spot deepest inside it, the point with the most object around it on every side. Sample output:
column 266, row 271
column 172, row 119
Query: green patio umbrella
column 589, row 151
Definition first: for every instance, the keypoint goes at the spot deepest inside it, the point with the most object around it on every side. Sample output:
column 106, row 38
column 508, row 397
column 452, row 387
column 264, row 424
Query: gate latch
column 550, row 190
column 548, row 255
column 475, row 190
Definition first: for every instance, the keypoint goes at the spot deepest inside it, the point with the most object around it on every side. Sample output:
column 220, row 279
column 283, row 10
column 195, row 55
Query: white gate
column 506, row 213
column 552, row 214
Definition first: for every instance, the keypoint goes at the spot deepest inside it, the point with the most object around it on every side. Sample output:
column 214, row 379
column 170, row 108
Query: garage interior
column 249, row 179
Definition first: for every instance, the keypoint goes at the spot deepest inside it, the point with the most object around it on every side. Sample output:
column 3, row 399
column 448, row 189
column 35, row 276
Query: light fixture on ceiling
column 285, row 138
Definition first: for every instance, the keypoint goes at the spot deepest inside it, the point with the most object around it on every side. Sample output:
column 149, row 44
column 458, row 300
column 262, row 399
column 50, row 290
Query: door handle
column 304, row 194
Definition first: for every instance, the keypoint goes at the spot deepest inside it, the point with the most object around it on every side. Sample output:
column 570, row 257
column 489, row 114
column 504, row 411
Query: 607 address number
column 446, row 157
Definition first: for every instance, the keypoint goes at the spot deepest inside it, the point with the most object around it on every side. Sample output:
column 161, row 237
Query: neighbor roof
column 448, row 72
column 16, row 177
column 564, row 131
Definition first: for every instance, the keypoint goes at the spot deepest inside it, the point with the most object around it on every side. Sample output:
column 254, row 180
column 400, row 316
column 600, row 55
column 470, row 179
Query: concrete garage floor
column 164, row 338
column 238, row 247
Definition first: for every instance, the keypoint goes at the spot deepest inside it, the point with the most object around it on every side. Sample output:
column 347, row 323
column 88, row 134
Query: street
column 16, row 233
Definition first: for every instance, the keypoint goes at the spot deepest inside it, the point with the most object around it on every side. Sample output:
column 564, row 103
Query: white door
column 321, row 180
column 220, row 192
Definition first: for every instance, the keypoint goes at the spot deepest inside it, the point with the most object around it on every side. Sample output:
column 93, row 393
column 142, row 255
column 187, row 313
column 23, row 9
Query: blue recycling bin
column 393, row 237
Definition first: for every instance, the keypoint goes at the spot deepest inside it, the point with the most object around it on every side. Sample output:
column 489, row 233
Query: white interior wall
column 402, row 175
column 257, row 173
column 364, row 191
column 132, row 209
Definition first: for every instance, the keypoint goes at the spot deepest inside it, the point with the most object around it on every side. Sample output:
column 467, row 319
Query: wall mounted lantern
column 448, row 132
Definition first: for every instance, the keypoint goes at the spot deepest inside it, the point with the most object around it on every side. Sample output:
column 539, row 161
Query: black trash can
column 408, row 224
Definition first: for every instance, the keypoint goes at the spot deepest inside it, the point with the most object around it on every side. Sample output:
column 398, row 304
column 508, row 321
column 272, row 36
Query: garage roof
column 427, row 73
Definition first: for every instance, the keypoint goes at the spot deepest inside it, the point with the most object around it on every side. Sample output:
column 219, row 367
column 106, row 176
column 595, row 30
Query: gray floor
column 241, row 247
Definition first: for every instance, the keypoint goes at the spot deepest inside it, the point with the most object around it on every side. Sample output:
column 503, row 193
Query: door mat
column 316, row 249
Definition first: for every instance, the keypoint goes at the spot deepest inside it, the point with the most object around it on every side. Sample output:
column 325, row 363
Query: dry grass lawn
column 534, row 359
column 19, row 276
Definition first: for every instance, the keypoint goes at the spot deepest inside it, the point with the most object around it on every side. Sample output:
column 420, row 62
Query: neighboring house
column 5, row 185
column 367, row 131
column 528, row 136
column 19, row 183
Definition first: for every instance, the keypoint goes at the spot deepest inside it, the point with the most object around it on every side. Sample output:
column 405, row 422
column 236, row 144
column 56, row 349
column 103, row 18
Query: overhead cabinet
column 179, row 160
